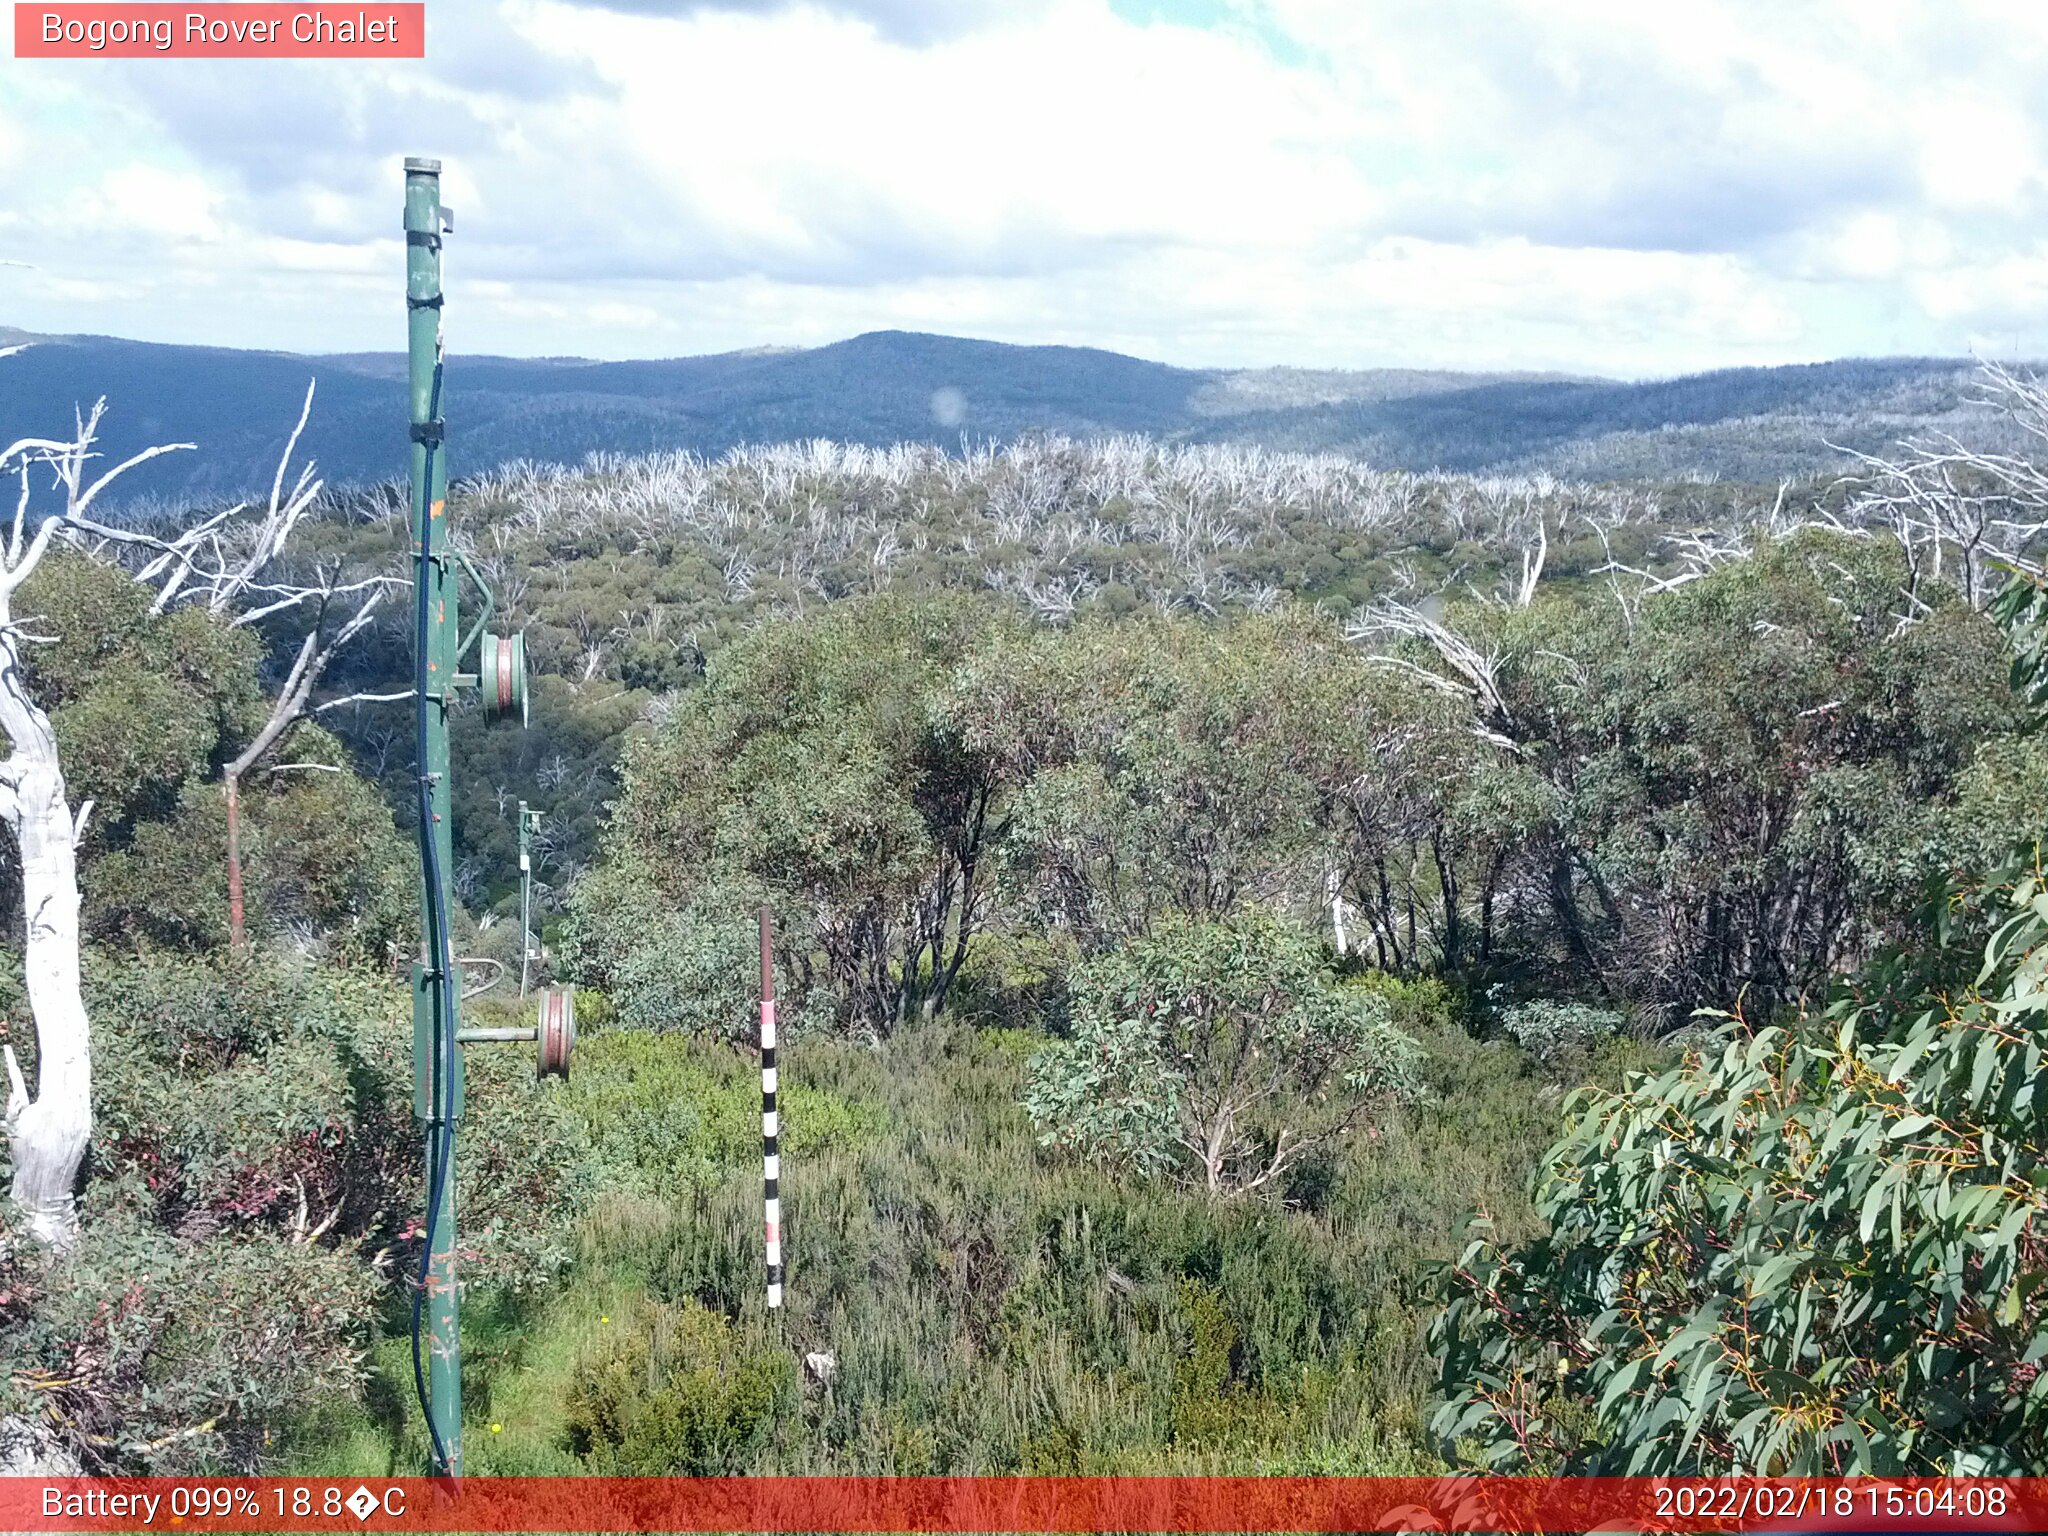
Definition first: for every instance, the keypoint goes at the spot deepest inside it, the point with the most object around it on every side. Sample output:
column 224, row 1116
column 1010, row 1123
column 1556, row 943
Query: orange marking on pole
column 436, row 511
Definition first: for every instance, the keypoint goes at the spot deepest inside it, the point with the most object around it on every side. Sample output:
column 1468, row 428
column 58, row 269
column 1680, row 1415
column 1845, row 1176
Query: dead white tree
column 1467, row 671
column 292, row 704
column 228, row 568
column 215, row 562
column 47, row 1130
column 1963, row 514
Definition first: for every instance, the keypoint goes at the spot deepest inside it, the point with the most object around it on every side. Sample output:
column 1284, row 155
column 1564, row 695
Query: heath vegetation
column 1287, row 966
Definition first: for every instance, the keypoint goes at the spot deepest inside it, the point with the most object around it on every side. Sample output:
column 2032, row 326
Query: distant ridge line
column 891, row 386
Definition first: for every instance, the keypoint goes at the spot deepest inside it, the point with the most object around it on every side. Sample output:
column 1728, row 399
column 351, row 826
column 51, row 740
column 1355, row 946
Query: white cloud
column 145, row 200
column 1977, row 154
column 1581, row 183
column 2012, row 287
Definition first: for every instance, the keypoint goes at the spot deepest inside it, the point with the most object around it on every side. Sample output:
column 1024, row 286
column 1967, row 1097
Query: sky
column 1598, row 186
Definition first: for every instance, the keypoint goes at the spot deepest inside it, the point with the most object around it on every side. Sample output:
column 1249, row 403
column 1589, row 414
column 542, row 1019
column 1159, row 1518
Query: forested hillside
column 891, row 387
column 1204, row 877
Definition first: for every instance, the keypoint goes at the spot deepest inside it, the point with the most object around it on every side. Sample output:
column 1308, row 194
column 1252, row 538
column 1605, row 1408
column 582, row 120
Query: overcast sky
column 1599, row 185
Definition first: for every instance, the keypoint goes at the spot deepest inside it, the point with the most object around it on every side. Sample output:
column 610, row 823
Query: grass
column 989, row 1306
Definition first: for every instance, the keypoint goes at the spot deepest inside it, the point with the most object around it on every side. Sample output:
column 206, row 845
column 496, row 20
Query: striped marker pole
column 771, row 1158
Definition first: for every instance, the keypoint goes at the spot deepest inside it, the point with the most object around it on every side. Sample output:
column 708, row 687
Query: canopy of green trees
column 1714, row 799
column 1818, row 1246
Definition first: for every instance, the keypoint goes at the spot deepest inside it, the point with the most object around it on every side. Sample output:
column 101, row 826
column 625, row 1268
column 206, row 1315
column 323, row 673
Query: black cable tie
column 424, row 237
column 433, row 303
column 428, row 431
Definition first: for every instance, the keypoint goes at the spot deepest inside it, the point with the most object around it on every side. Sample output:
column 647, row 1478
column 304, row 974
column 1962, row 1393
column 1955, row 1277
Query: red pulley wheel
column 557, row 1031
column 501, row 678
column 505, row 679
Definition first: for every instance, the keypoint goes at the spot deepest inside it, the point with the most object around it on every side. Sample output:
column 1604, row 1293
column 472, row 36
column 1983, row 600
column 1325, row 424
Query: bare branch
column 362, row 698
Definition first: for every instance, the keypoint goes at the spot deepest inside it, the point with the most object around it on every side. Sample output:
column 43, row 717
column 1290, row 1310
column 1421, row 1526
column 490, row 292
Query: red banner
column 991, row 1504
column 221, row 31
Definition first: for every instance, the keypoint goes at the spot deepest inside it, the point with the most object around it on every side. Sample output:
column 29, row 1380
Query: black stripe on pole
column 771, row 1122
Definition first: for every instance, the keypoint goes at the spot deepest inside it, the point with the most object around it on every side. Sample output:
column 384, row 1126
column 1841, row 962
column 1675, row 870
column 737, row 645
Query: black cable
column 441, row 1119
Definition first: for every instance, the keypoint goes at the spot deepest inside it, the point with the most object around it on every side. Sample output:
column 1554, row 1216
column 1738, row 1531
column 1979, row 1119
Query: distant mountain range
column 891, row 386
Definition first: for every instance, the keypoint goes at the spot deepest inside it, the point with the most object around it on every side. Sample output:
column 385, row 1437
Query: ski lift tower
column 440, row 648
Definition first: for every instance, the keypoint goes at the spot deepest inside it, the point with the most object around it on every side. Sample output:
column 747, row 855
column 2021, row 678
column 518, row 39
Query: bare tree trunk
column 1333, row 894
column 286, row 710
column 47, row 1133
column 236, row 910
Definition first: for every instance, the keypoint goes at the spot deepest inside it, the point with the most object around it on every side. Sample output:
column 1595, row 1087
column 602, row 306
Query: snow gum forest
column 1285, row 966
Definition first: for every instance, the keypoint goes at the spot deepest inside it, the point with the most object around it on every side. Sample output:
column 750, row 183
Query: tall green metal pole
column 526, row 820
column 437, row 1058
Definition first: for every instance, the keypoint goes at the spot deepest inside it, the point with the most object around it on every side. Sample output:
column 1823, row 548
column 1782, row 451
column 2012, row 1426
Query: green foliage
column 142, row 706
column 562, row 764
column 1716, row 798
column 251, row 1141
column 2021, row 608
column 323, row 860
column 992, row 1308
column 676, row 1392
column 1815, row 1247
column 270, row 1092
column 814, row 765
column 694, row 968
column 146, row 709
column 235, row 1092
column 321, row 863
column 1218, row 1053
column 1733, row 774
column 658, row 1116
column 1557, row 1033
column 139, row 703
column 1816, row 1250
column 148, row 1351
column 1211, row 1404
column 1016, row 979
column 1113, row 828
column 1158, row 765
column 256, row 1183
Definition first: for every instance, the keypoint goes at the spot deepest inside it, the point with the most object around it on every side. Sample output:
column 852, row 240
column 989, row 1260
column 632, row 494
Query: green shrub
column 1808, row 1250
column 1219, row 1053
column 1813, row 1247
column 156, row 1354
column 255, row 1195
column 662, row 1114
column 1203, row 1377
column 692, row 966
column 676, row 1390
column 1557, row 1033
column 1014, row 980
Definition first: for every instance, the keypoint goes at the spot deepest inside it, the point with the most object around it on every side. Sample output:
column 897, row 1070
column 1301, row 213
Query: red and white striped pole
column 771, row 1158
